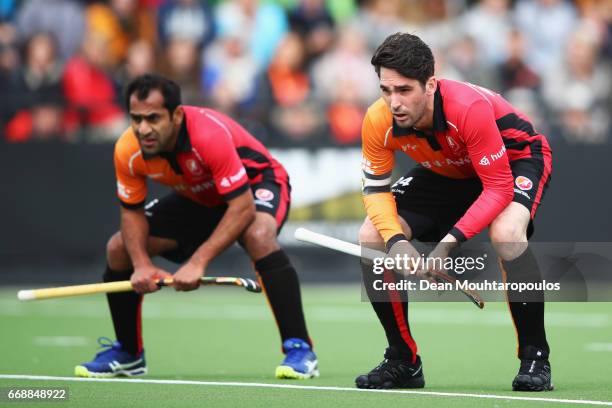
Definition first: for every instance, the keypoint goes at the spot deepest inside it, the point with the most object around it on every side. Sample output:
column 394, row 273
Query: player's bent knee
column 368, row 234
column 509, row 240
column 507, row 233
column 116, row 254
column 260, row 238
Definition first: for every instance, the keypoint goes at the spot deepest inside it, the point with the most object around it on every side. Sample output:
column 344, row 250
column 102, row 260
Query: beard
column 151, row 144
column 409, row 119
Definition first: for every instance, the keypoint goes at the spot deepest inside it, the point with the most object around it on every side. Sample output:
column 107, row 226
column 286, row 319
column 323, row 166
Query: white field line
column 328, row 314
column 606, row 347
column 60, row 341
column 301, row 387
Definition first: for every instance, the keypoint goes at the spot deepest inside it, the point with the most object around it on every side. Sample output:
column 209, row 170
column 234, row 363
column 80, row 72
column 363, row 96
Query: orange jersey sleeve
column 131, row 183
column 377, row 165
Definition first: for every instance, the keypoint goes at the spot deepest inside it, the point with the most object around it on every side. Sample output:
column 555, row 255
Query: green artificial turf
column 229, row 335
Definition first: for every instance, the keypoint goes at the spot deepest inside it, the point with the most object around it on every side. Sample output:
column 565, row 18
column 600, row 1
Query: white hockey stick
column 305, row 235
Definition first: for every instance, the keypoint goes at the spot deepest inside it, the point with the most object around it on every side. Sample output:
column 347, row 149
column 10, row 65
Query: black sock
column 282, row 287
column 391, row 307
column 527, row 308
column 125, row 308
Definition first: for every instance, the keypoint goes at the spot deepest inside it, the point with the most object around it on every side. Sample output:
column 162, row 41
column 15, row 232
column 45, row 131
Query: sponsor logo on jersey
column 123, row 190
column 447, row 162
column 484, row 161
column 236, row 177
column 264, row 194
column 228, row 181
column 412, row 147
column 366, row 165
column 264, row 203
column 523, row 183
column 499, row 154
column 517, row 191
column 193, row 167
column 201, row 187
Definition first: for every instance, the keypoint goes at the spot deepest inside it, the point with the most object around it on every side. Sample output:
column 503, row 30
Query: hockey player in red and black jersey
column 480, row 163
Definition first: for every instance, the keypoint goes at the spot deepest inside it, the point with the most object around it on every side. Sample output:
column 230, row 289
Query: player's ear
column 178, row 115
column 431, row 85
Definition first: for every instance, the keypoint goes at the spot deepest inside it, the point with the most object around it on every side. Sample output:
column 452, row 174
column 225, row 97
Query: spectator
column 229, row 74
column 311, row 20
column 191, row 20
column 36, row 93
column 63, row 18
column 345, row 82
column 182, row 64
column 438, row 26
column 514, row 72
column 45, row 120
column 579, row 91
column 377, row 19
column 285, row 95
column 91, row 92
column 121, row 22
column 7, row 9
column 9, row 56
column 140, row 59
column 598, row 14
column 347, row 64
column 489, row 24
column 9, row 61
column 546, row 25
column 463, row 55
column 260, row 27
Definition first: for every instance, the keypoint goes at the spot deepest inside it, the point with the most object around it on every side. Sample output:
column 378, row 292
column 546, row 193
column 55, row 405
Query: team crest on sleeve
column 193, row 167
column 523, row 183
column 452, row 144
column 264, row 194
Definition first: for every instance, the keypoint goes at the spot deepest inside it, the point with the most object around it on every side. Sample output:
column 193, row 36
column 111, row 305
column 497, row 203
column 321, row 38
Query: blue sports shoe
column 113, row 361
column 300, row 361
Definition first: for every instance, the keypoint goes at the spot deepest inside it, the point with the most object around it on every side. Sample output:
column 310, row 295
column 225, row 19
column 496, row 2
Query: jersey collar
column 439, row 119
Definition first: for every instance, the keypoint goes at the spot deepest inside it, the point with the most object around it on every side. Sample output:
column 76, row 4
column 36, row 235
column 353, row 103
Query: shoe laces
column 380, row 366
column 107, row 346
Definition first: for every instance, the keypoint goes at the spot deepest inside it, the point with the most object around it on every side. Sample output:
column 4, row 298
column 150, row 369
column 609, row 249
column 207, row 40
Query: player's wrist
column 142, row 263
column 199, row 261
column 394, row 240
column 457, row 234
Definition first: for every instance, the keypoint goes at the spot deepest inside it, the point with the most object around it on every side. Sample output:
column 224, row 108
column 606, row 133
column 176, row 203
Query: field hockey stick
column 248, row 284
column 126, row 286
column 305, row 235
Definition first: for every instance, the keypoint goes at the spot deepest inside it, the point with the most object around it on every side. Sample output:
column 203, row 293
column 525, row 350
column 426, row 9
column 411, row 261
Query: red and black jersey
column 476, row 133
column 214, row 160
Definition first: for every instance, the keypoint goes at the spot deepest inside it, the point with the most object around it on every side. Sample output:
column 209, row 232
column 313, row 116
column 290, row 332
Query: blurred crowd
column 294, row 72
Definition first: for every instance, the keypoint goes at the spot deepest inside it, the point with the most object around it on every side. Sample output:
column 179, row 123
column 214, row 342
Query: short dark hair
column 143, row 84
column 407, row 54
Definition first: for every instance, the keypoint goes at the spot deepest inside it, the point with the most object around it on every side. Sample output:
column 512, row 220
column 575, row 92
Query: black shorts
column 190, row 224
column 432, row 204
